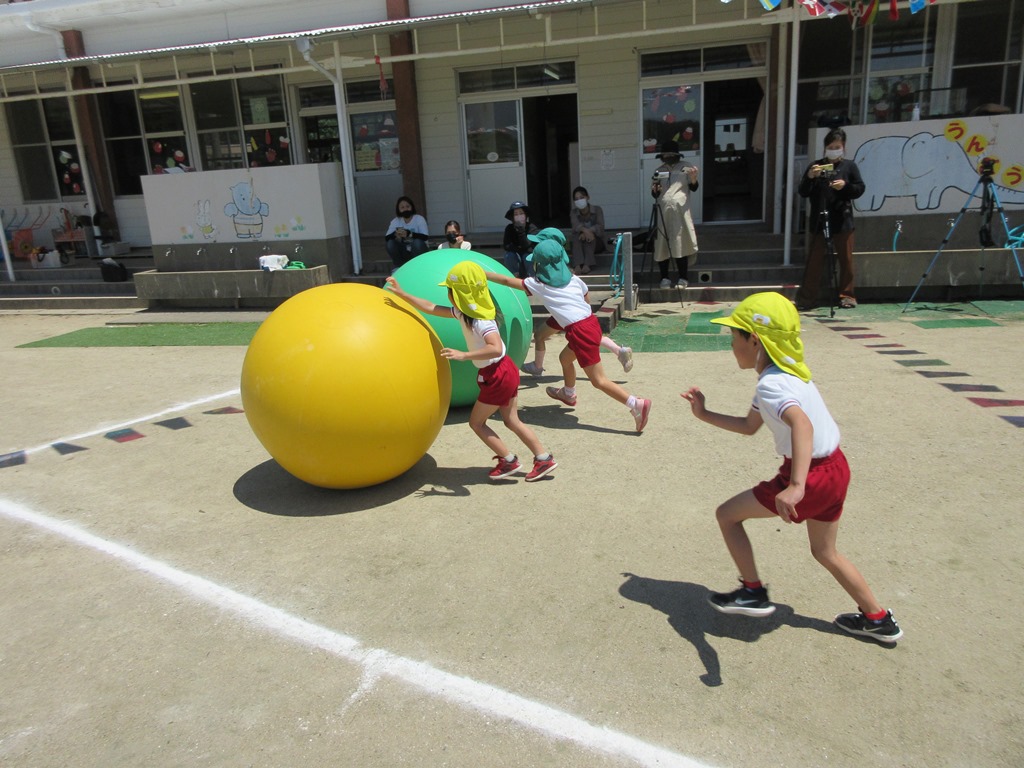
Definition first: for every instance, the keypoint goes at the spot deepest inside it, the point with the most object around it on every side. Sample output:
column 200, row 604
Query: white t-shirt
column 416, row 224
column 777, row 391
column 475, row 336
column 567, row 304
column 464, row 245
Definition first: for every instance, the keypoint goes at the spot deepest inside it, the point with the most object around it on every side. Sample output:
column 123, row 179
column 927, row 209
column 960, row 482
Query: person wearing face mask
column 587, row 222
column 406, row 237
column 453, row 237
column 674, row 182
column 834, row 193
column 516, row 241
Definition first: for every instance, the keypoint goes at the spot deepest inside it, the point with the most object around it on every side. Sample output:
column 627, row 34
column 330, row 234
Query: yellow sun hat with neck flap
column 774, row 320
column 468, row 285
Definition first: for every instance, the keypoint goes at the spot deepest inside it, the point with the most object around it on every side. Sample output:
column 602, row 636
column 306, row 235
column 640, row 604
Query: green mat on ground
column 155, row 335
column 957, row 322
column 672, row 333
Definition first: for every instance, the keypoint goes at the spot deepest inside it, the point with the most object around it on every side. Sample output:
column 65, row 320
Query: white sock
column 631, row 403
column 543, row 457
column 570, row 391
column 510, row 458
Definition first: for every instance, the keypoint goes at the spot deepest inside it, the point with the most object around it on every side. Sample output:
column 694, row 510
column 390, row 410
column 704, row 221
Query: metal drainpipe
column 791, row 138
column 344, row 136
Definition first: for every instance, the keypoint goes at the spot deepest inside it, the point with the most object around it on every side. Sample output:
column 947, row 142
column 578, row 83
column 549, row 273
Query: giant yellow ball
column 344, row 385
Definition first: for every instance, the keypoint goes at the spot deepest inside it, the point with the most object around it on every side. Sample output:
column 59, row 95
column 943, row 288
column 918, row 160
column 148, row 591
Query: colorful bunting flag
column 917, row 5
column 894, row 12
column 834, row 8
column 867, row 12
column 770, row 5
column 813, row 7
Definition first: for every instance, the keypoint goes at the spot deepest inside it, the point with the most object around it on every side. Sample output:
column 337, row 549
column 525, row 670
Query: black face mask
column 452, row 237
column 670, row 159
column 405, row 214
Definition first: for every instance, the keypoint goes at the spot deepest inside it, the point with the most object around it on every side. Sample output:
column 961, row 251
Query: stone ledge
column 219, row 288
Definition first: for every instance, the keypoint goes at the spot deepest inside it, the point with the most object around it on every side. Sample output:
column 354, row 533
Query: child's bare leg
column 822, row 538
column 540, row 339
column 600, row 380
column 730, row 515
column 478, row 423
column 609, row 343
column 567, row 358
column 510, row 416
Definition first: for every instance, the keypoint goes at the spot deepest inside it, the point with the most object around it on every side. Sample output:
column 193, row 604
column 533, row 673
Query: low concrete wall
column 955, row 275
column 178, row 257
column 226, row 288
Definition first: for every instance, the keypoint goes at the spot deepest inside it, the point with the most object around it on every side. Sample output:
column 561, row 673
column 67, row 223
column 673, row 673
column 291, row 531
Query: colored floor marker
column 960, row 322
column 1017, row 421
column 942, row 374
column 922, row 362
column 123, row 435
column 65, row 448
column 899, row 352
column 971, row 387
column 12, row 459
column 845, row 328
column 225, row 409
column 175, row 423
column 864, row 336
column 991, row 402
column 880, row 346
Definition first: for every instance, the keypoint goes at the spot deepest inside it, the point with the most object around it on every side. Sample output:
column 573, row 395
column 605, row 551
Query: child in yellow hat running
column 812, row 481
column 498, row 376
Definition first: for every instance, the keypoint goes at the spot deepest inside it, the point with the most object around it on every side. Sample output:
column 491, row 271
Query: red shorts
column 584, row 339
column 499, row 382
column 827, row 481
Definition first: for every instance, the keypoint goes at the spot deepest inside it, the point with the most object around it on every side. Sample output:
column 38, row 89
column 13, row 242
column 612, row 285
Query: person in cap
column 497, row 376
column 516, row 240
column 564, row 295
column 812, row 482
column 535, row 367
column 674, row 182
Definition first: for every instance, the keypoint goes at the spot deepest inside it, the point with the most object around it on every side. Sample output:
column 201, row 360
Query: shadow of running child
column 686, row 606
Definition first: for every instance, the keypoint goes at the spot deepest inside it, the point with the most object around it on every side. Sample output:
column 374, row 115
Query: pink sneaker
column 505, row 468
column 540, row 468
column 641, row 413
column 558, row 393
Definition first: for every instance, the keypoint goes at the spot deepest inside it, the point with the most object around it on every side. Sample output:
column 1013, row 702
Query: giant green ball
column 421, row 276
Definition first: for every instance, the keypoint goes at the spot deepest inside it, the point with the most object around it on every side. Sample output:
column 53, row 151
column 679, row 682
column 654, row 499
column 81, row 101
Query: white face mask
column 581, row 203
column 833, row 154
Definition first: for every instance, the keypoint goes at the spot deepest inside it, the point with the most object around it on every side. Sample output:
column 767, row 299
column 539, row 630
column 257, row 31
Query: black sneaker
column 884, row 631
column 749, row 602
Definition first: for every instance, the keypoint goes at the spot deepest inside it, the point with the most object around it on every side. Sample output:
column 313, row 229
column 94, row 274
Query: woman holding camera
column 674, row 181
column 832, row 183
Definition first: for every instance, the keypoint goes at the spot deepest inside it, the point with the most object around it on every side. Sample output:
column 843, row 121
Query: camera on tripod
column 987, row 166
column 658, row 180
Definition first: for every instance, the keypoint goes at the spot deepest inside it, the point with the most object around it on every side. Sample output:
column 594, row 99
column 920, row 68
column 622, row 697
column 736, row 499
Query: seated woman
column 407, row 233
column 453, row 237
column 587, row 231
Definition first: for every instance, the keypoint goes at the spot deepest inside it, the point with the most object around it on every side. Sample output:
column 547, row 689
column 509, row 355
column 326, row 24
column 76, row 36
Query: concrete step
column 71, row 302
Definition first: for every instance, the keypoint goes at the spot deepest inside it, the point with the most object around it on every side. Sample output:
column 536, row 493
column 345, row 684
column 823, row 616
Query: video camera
column 987, row 166
column 828, row 172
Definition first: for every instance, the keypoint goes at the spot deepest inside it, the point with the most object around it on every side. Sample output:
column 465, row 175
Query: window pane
column 826, row 48
column 161, row 110
column 487, row 80
column 221, row 149
column 120, row 117
column 726, row 57
column 671, row 114
column 69, row 170
column 559, row 73
column 366, row 91
column 265, row 146
column 322, row 139
column 823, row 103
column 34, row 184
column 25, row 122
column 985, row 85
column 375, row 141
column 58, row 119
column 127, row 165
column 892, row 99
column 670, row 63
column 981, row 30
column 214, row 106
column 492, row 132
column 902, row 46
column 262, row 100
column 168, row 154
column 317, row 96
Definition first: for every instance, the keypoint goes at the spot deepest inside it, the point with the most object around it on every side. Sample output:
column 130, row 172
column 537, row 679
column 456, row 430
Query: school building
column 217, row 130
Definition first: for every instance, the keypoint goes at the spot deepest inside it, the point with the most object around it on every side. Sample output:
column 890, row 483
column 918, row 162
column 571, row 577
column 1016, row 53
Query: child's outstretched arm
column 802, row 438
column 744, row 425
column 511, row 282
column 421, row 304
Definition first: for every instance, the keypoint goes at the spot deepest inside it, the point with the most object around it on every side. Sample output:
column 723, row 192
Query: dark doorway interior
column 732, row 179
column 550, row 125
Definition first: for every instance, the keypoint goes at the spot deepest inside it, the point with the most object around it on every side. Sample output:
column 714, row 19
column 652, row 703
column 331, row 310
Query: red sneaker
column 558, row 393
column 540, row 468
column 505, row 468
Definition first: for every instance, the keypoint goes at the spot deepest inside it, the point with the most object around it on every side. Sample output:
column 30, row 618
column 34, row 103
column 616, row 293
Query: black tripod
column 989, row 202
column 831, row 265
column 656, row 228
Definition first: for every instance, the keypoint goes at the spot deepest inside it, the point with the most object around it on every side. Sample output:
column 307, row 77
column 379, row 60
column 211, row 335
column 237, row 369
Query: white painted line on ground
column 468, row 693
column 133, row 422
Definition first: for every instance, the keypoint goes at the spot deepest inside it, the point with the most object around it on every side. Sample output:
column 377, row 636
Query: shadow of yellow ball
column 344, row 385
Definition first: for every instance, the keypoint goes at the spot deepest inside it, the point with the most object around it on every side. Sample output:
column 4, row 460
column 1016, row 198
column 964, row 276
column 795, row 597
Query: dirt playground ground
column 172, row 597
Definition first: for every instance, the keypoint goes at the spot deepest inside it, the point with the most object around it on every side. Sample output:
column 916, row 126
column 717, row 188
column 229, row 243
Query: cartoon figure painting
column 246, row 210
column 204, row 221
column 922, row 166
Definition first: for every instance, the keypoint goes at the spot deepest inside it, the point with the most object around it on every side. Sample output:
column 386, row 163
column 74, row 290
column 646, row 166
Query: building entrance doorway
column 732, row 173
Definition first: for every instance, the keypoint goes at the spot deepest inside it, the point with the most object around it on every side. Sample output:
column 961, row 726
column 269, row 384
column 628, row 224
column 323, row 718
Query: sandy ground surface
column 179, row 599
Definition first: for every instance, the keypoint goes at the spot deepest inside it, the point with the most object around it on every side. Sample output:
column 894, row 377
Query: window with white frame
column 44, row 148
